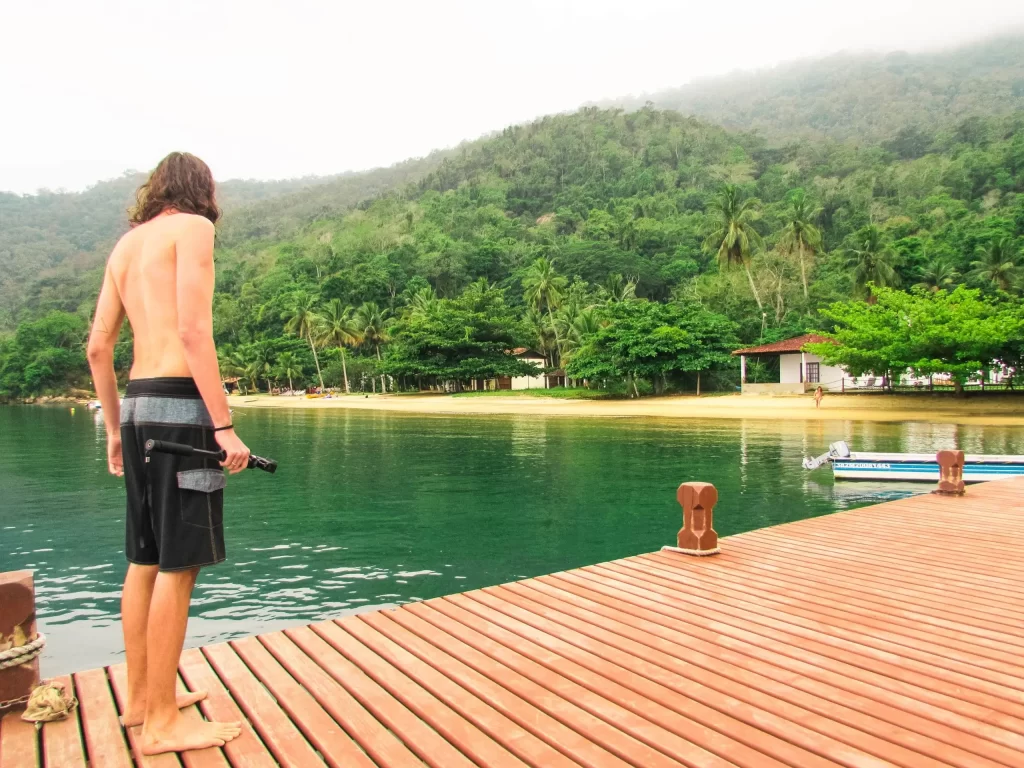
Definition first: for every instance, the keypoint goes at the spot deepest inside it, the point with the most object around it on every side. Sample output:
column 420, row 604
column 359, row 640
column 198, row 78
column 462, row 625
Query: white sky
column 284, row 88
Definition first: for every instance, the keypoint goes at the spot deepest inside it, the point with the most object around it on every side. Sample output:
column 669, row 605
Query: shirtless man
column 161, row 275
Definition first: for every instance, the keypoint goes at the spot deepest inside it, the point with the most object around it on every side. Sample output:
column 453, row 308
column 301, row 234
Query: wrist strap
column 221, row 429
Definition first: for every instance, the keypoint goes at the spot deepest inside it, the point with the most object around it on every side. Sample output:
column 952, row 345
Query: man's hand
column 115, row 462
column 237, row 453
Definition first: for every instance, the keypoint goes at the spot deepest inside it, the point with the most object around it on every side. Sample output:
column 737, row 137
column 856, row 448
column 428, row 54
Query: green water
column 372, row 509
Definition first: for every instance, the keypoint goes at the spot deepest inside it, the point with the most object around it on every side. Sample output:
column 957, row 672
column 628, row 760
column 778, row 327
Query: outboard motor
column 837, row 450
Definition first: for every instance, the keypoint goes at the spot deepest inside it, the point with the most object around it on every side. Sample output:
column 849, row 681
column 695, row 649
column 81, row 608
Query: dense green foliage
column 925, row 332
column 871, row 98
column 608, row 241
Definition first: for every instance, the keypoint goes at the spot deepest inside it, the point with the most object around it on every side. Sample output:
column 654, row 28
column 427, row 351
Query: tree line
column 619, row 245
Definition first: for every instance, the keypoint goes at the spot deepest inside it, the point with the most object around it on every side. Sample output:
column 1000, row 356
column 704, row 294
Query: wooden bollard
column 951, row 473
column 697, row 536
column 17, row 626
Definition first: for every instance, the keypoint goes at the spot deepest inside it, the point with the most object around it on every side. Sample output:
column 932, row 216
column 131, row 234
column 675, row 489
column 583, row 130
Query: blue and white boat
column 862, row 465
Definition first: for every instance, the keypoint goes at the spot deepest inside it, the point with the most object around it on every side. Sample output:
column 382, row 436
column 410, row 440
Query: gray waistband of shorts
column 179, row 411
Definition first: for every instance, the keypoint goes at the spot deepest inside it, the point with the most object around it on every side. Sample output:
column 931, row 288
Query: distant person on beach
column 818, row 394
column 160, row 275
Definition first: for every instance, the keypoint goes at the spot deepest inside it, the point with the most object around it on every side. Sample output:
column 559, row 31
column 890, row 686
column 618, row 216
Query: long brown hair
column 180, row 181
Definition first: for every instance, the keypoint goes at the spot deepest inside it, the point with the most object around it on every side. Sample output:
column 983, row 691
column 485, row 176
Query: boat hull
column 855, row 468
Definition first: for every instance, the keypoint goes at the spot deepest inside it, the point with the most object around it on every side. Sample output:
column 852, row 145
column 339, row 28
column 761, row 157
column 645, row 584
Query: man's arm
column 106, row 326
column 195, row 282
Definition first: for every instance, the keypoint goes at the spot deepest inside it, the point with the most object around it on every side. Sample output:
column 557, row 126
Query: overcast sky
column 284, row 88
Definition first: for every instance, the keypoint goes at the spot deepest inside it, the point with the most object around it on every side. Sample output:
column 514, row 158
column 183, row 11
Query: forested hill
column 52, row 243
column 863, row 98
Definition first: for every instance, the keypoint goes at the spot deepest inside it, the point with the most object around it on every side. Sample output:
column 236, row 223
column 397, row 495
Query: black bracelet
column 221, row 429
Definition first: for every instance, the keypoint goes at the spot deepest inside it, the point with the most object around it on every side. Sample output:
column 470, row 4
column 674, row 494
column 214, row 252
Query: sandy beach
column 993, row 410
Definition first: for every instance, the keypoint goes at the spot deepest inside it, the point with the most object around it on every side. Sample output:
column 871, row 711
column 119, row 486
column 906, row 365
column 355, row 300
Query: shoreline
column 1002, row 411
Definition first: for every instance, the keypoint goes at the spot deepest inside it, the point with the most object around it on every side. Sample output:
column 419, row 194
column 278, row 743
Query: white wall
column 530, row 382
column 829, row 376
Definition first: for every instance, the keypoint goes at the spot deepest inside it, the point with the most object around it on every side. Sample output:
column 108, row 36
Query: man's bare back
column 143, row 266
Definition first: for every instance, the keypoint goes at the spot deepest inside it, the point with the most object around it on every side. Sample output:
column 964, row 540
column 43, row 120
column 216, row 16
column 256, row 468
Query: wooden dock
column 888, row 635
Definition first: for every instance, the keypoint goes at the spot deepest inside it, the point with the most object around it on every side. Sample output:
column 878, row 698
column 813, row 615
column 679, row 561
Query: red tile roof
column 788, row 345
column 525, row 352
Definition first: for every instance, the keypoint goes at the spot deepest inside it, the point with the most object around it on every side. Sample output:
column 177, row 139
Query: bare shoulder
column 191, row 224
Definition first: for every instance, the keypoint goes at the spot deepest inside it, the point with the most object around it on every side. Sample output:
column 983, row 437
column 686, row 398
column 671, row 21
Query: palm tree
column 586, row 323
column 731, row 234
column 543, row 288
column 233, row 362
column 261, row 363
column 799, row 233
column 997, row 264
column 617, row 289
column 338, row 327
column 302, row 320
column 542, row 331
column 423, row 301
column 937, row 275
column 871, row 259
column 288, row 366
column 371, row 323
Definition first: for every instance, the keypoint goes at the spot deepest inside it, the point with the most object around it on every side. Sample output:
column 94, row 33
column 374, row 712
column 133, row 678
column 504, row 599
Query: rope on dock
column 21, row 654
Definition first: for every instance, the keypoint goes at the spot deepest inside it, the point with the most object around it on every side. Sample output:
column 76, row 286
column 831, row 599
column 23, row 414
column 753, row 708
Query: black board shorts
column 175, row 503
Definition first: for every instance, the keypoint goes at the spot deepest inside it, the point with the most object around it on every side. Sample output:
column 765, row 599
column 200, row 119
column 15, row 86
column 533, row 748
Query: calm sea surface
column 372, row 509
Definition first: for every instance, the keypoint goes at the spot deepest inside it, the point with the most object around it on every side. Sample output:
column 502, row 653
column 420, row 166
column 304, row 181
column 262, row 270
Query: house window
column 813, row 374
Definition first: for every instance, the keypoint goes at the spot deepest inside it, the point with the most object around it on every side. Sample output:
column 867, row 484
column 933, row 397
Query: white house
column 799, row 371
column 536, row 359
column 540, row 381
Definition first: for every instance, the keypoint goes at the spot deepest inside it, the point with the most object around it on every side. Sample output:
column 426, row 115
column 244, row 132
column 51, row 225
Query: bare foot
column 184, row 734
column 135, row 714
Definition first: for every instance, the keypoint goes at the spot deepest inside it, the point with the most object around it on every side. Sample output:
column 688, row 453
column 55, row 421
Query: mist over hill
column 857, row 97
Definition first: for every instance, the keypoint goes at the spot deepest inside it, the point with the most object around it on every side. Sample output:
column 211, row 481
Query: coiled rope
column 21, row 654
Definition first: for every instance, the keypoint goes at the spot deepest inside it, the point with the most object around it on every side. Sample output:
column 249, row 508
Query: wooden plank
column 580, row 721
column 336, row 746
column 831, row 665
column 506, row 732
column 104, row 739
column 464, row 735
column 277, row 731
column 664, row 747
column 801, row 632
column 572, row 744
column 744, row 734
column 778, row 559
column 858, row 720
column 247, row 751
column 62, row 739
column 840, row 618
column 434, row 750
column 19, row 744
column 379, row 743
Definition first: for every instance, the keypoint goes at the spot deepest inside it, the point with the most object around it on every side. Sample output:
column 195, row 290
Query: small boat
column 862, row 465
column 94, row 405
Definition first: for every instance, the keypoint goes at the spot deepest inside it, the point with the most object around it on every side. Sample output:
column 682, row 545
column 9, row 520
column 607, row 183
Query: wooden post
column 697, row 536
column 951, row 473
column 17, row 626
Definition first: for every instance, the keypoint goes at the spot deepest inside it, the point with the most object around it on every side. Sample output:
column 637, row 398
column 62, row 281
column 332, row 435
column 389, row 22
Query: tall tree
column 289, row 367
column 338, row 327
column 871, row 258
column 799, row 234
column 543, row 288
column 372, row 323
column 302, row 319
column 731, row 234
column 939, row 274
column 996, row 264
